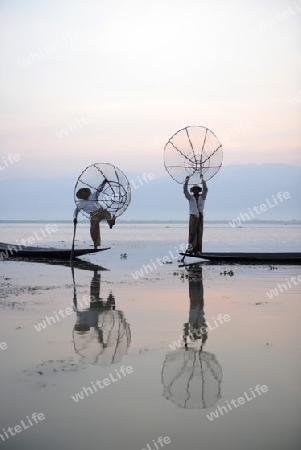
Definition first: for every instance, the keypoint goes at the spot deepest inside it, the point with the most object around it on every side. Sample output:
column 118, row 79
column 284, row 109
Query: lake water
column 240, row 324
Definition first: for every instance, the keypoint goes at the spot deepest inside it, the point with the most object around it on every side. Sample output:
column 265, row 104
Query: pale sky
column 130, row 73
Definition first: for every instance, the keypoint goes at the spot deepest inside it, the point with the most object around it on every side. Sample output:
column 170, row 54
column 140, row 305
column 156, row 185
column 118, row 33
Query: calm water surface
column 143, row 323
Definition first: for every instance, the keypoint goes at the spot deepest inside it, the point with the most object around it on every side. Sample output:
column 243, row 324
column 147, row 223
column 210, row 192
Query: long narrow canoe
column 249, row 258
column 19, row 251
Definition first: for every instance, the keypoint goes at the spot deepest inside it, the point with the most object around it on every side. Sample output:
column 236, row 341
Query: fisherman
column 196, row 217
column 88, row 202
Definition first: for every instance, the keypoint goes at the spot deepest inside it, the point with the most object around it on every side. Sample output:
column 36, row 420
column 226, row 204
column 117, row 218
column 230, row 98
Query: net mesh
column 193, row 151
column 116, row 194
column 191, row 378
column 101, row 336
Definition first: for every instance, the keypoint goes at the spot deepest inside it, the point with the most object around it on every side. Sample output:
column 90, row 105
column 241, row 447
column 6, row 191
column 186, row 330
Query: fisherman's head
column 83, row 193
column 196, row 190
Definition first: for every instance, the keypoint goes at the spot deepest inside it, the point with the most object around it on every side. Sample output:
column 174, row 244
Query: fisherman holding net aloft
column 196, row 216
column 191, row 154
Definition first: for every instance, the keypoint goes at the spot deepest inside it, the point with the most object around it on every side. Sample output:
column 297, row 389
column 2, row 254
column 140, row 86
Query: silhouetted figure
column 88, row 202
column 196, row 328
column 192, row 377
column 196, row 214
column 101, row 334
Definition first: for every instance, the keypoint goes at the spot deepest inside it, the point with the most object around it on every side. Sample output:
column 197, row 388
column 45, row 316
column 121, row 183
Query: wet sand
column 134, row 323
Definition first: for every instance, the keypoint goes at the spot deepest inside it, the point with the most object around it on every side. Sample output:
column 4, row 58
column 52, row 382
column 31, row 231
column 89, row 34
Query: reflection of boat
column 76, row 263
column 101, row 335
column 191, row 376
column 249, row 258
column 20, row 251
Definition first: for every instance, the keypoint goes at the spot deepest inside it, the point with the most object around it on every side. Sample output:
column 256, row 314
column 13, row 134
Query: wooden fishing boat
column 248, row 258
column 19, row 251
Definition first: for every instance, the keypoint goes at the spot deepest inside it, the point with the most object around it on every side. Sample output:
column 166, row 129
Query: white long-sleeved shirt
column 89, row 205
column 195, row 208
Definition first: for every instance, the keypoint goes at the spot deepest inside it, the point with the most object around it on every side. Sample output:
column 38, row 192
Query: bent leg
column 96, row 217
column 111, row 221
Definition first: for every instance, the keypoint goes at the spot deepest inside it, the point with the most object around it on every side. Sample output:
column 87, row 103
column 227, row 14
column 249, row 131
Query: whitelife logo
column 146, row 268
column 11, row 249
column 12, row 431
column 282, row 287
column 47, row 50
column 203, row 330
column 121, row 373
column 259, row 209
column 9, row 160
column 241, row 401
column 161, row 440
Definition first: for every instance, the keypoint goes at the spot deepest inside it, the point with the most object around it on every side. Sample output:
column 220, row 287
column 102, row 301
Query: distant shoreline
column 224, row 221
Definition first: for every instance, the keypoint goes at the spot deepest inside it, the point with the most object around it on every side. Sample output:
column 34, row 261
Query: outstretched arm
column 185, row 188
column 205, row 188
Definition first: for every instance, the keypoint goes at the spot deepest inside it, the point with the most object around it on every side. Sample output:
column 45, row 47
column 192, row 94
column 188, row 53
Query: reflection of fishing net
column 191, row 378
column 101, row 336
column 115, row 195
column 193, row 151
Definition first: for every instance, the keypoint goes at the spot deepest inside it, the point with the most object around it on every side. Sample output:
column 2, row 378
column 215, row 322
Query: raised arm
column 94, row 195
column 101, row 186
column 205, row 188
column 185, row 189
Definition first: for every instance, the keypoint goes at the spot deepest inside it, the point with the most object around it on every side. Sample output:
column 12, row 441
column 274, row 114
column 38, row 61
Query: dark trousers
column 195, row 238
column 95, row 218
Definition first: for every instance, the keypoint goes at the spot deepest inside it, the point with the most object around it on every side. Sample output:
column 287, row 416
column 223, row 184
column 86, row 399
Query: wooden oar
column 72, row 249
column 74, row 288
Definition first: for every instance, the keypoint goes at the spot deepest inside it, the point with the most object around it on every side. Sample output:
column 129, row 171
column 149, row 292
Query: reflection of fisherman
column 196, row 207
column 196, row 328
column 192, row 377
column 95, row 300
column 88, row 202
column 101, row 335
column 88, row 318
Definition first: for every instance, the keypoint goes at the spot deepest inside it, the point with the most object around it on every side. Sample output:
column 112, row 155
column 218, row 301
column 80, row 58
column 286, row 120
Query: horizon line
column 256, row 221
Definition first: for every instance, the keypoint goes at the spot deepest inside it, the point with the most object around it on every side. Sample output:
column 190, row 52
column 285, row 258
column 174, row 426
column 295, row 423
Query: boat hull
column 17, row 251
column 249, row 258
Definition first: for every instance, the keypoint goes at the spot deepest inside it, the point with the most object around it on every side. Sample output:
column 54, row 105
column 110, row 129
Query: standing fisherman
column 196, row 217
